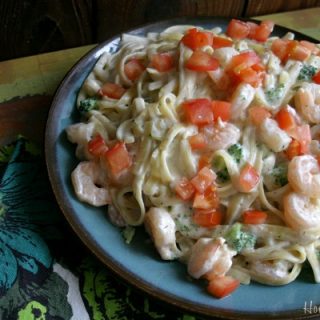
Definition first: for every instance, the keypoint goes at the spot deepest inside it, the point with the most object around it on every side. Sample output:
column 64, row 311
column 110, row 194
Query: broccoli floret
column 236, row 152
column 223, row 175
column 239, row 240
column 280, row 174
column 128, row 234
column 307, row 72
column 220, row 169
column 87, row 105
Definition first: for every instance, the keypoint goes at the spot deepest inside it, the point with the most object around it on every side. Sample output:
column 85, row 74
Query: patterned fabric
column 46, row 273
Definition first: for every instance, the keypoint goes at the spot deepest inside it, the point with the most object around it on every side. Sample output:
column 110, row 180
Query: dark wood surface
column 35, row 26
column 116, row 16
column 261, row 7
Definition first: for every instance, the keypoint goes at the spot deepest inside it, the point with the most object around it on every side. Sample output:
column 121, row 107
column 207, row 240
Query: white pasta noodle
column 312, row 256
column 278, row 273
column 195, row 141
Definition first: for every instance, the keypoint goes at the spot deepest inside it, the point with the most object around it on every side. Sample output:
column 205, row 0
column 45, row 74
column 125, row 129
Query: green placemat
column 46, row 273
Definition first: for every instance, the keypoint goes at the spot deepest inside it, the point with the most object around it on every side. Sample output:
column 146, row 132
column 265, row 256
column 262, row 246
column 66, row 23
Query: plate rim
column 73, row 220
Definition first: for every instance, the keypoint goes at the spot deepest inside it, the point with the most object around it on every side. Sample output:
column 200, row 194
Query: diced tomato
column 184, row 189
column 316, row 78
column 209, row 35
column 258, row 114
column 248, row 178
column 252, row 29
column 245, row 67
column 118, row 158
column 163, row 62
column 285, row 119
column 293, row 150
column 249, row 76
column 280, row 48
column 204, row 178
column 198, row 111
column 221, row 109
column 296, row 51
column 201, row 61
column 133, row 69
column 97, row 146
column 204, row 161
column 309, row 45
column 254, row 217
column 198, row 141
column 290, row 49
column 222, row 286
column 242, row 61
column 259, row 67
column 263, row 31
column 221, row 42
column 112, row 90
column 316, row 51
column 195, row 39
column 237, row 29
column 207, row 218
column 260, row 32
column 207, row 200
column 268, row 24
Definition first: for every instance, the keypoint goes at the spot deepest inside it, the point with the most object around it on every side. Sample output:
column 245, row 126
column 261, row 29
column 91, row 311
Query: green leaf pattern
column 33, row 235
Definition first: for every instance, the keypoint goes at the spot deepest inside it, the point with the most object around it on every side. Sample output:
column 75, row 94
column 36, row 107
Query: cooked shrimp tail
column 89, row 184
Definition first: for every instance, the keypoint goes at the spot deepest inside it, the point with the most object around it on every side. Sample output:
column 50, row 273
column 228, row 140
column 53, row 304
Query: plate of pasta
column 185, row 154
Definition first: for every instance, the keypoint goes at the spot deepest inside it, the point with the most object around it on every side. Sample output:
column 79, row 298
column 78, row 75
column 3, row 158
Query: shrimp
column 315, row 132
column 162, row 229
column 240, row 101
column 304, row 175
column 81, row 133
column 224, row 55
column 272, row 136
column 276, row 272
column 87, row 179
column 222, row 135
column 210, row 256
column 314, row 146
column 301, row 212
column 307, row 102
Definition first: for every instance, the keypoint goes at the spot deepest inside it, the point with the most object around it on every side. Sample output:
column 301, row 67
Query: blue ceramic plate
column 138, row 263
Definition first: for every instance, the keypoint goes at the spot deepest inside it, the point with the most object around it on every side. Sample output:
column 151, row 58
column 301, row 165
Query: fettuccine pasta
column 209, row 139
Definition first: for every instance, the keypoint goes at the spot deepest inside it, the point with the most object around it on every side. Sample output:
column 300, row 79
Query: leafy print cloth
column 45, row 272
